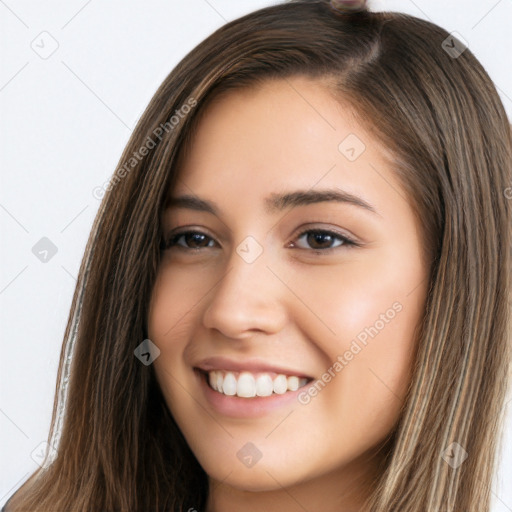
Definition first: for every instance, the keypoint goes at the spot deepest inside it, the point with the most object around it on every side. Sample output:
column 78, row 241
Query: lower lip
column 254, row 407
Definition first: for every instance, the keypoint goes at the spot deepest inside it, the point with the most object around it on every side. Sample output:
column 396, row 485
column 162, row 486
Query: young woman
column 295, row 295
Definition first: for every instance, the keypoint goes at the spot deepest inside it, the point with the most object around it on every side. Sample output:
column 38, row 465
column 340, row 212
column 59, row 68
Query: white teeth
column 264, row 385
column 280, row 384
column 248, row 385
column 293, row 383
column 218, row 381
column 229, row 384
column 212, row 379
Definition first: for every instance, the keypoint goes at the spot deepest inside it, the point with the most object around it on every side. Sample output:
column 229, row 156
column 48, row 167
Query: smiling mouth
column 248, row 384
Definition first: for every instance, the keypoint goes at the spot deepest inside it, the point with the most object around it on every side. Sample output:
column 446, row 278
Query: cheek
column 170, row 317
column 365, row 324
column 172, row 302
column 169, row 322
column 371, row 295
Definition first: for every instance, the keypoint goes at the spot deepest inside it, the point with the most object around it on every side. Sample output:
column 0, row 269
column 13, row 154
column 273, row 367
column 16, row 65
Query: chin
column 263, row 479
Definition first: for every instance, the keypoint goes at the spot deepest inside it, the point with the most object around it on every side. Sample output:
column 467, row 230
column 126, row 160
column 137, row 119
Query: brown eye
column 193, row 240
column 321, row 240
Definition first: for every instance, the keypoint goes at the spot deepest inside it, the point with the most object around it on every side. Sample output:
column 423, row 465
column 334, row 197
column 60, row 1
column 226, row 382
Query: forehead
column 252, row 143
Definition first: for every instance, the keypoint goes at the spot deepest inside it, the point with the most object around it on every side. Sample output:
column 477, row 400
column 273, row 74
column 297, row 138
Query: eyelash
column 347, row 242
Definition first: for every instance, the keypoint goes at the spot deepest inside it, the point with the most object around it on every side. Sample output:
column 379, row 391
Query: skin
column 290, row 306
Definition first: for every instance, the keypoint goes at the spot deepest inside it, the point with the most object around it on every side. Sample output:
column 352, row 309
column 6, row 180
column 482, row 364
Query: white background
column 65, row 121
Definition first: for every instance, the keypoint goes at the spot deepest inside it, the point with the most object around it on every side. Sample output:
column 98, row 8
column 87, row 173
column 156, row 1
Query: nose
column 249, row 297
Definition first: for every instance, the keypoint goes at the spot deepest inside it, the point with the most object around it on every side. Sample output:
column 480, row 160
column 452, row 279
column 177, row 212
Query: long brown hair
column 439, row 114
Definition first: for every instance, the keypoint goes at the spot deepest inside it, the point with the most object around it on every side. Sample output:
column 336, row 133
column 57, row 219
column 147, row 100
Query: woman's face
column 259, row 302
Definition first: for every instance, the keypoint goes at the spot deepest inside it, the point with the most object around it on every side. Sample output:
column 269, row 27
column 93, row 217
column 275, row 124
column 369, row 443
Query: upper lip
column 250, row 365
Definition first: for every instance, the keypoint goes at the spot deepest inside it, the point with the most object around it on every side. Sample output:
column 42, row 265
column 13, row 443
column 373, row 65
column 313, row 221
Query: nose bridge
column 248, row 296
column 247, row 278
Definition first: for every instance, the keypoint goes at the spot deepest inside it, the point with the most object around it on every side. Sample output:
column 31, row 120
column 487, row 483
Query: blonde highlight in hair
column 450, row 144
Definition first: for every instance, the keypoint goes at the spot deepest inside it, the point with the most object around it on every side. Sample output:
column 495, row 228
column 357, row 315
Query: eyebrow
column 277, row 202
